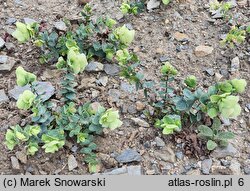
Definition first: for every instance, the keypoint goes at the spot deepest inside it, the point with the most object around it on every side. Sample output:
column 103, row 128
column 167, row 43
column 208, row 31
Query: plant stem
column 166, row 90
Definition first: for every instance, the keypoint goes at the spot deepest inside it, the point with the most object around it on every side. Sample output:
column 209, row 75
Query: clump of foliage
column 169, row 124
column 25, row 32
column 214, row 135
column 235, row 36
column 24, row 77
column 129, row 7
column 186, row 104
column 17, row 135
column 97, row 39
column 51, row 128
column 221, row 7
column 52, row 123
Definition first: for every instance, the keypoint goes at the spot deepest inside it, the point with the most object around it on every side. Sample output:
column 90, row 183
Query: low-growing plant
column 222, row 7
column 25, row 32
column 51, row 126
column 129, row 7
column 234, row 37
column 24, row 77
column 52, row 123
column 186, row 104
column 177, row 104
column 214, row 135
column 169, row 124
column 97, row 39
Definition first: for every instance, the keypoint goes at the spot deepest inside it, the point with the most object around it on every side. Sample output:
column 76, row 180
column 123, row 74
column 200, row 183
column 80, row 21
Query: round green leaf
column 211, row 145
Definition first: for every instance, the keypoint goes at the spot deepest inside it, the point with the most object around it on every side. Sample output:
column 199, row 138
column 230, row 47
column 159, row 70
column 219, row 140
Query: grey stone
column 72, row 163
column 177, row 15
column 166, row 167
column 247, row 170
column 224, row 72
column 248, row 106
column 211, row 20
column 217, row 14
column 17, row 91
column 6, row 63
column 134, row 170
column 117, row 171
column 10, row 21
column 60, row 25
column 223, row 36
column 156, row 169
column 74, row 148
column 179, row 155
column 164, row 58
column 111, row 69
column 129, row 26
column 22, row 156
column 30, row 169
column 159, row 142
column 210, row 71
column 127, row 87
column 14, row 163
column 225, row 162
column 132, row 109
column 29, row 20
column 166, row 154
column 224, row 152
column 226, row 122
column 9, row 30
column 94, row 67
column 140, row 122
column 3, row 96
column 2, row 42
column 129, row 155
column 187, row 167
column 206, row 166
column 235, row 167
column 147, row 144
column 235, row 64
column 10, row 46
column 45, row 90
column 19, row 2
column 103, row 81
column 3, row 59
column 152, row 4
column 114, row 94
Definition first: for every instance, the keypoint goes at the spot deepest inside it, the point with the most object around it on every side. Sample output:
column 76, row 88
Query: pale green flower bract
column 24, row 77
column 125, row 35
column 76, row 61
column 110, row 119
column 21, row 33
column 25, row 100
